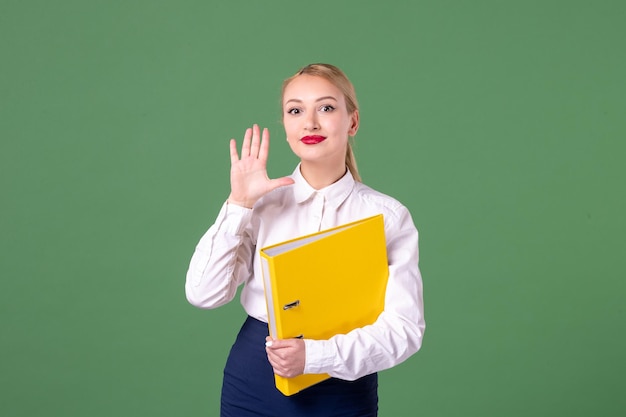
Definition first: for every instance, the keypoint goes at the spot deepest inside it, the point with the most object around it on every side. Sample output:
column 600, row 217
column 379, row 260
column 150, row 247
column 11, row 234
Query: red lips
column 312, row 140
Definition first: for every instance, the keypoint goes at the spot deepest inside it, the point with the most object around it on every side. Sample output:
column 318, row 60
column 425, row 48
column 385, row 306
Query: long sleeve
column 222, row 259
column 227, row 256
column 398, row 332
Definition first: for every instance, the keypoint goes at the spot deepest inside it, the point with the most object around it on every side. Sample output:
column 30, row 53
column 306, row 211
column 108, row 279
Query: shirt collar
column 335, row 194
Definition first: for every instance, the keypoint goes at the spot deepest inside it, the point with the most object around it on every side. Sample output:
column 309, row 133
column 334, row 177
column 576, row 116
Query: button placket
column 318, row 210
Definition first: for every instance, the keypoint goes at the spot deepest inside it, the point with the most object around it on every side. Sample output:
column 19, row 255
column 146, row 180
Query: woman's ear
column 354, row 123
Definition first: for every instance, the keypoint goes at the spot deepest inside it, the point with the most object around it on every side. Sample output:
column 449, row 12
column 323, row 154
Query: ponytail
column 351, row 162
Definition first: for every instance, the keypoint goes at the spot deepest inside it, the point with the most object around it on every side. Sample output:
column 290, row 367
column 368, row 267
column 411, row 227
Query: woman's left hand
column 287, row 356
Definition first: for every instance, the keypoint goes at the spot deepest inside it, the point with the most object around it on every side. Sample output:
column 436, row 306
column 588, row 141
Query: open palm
column 248, row 172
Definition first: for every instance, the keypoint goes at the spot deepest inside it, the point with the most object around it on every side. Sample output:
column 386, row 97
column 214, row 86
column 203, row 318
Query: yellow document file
column 324, row 284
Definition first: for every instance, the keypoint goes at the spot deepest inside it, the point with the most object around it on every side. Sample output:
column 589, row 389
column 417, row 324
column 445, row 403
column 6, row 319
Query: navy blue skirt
column 249, row 390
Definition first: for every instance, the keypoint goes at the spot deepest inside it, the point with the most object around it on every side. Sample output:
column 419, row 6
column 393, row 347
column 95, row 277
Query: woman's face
column 316, row 120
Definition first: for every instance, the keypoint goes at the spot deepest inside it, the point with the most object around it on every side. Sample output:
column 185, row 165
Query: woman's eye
column 327, row 108
column 293, row 111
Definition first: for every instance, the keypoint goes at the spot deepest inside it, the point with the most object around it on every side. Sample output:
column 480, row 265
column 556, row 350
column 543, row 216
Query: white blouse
column 227, row 256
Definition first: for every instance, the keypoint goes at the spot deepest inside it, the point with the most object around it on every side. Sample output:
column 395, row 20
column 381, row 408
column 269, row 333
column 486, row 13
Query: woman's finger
column 245, row 146
column 255, row 144
column 234, row 156
column 265, row 145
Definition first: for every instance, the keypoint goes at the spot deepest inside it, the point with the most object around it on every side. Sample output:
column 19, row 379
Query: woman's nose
column 311, row 122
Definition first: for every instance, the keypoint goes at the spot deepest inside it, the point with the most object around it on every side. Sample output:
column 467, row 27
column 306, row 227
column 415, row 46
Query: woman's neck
column 321, row 175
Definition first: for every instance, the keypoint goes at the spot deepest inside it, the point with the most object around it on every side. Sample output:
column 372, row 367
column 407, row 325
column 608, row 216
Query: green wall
column 500, row 124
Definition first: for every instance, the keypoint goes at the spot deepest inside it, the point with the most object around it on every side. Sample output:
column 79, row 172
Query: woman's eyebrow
column 326, row 98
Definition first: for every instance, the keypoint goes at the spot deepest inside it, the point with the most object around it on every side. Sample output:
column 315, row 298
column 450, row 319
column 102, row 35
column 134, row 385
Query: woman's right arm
column 222, row 259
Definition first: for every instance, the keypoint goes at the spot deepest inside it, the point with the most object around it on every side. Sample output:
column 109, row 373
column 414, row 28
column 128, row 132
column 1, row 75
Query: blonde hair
column 339, row 79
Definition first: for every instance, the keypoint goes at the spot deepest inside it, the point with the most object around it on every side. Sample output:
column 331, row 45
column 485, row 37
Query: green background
column 500, row 124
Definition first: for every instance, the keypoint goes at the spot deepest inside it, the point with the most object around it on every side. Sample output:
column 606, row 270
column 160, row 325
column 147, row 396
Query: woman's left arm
column 398, row 331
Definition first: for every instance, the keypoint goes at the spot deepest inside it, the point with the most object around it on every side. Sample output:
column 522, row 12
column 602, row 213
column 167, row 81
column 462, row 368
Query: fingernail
column 268, row 343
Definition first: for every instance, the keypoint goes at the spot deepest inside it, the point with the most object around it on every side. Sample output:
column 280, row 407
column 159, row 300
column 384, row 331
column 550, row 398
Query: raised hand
column 248, row 173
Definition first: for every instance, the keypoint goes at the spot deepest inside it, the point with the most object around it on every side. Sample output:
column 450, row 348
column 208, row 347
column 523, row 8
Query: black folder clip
column 291, row 305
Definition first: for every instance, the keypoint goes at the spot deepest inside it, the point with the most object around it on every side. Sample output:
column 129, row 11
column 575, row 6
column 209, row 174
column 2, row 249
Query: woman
column 320, row 115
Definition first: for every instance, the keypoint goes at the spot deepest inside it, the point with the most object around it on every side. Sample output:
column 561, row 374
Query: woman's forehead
column 311, row 88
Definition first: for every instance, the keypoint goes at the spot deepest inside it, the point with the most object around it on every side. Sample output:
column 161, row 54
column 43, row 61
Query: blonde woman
column 320, row 116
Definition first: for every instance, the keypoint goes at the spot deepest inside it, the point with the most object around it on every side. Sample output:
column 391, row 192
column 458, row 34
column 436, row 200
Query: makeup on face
column 312, row 139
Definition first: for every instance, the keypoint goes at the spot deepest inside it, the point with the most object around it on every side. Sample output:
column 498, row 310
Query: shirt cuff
column 235, row 218
column 320, row 356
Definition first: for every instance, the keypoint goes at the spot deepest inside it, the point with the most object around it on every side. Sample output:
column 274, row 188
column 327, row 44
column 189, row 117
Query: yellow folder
column 324, row 284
